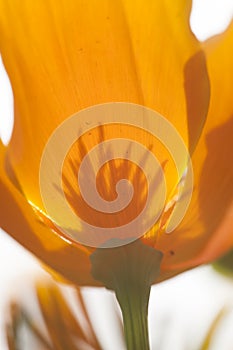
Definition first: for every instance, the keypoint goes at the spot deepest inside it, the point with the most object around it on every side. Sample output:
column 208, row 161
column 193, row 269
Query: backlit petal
column 30, row 229
column 67, row 55
column 207, row 231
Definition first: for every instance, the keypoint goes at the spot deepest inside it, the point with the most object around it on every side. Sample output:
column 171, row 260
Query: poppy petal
column 206, row 231
column 62, row 57
column 18, row 218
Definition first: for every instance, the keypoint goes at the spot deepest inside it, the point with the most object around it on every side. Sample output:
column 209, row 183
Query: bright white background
column 181, row 309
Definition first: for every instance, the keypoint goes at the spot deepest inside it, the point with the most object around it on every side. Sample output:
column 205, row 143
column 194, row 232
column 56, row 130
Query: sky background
column 185, row 304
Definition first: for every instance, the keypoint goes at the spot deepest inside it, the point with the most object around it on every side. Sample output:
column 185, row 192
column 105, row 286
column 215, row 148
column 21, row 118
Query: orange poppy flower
column 64, row 56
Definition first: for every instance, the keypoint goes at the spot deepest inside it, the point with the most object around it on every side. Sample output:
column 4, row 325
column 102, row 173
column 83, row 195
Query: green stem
column 134, row 310
column 129, row 270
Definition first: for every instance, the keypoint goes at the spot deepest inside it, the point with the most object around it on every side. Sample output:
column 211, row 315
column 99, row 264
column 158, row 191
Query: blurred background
column 183, row 309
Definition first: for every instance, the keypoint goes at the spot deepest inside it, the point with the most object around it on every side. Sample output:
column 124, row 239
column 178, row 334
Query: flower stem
column 129, row 270
column 134, row 310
